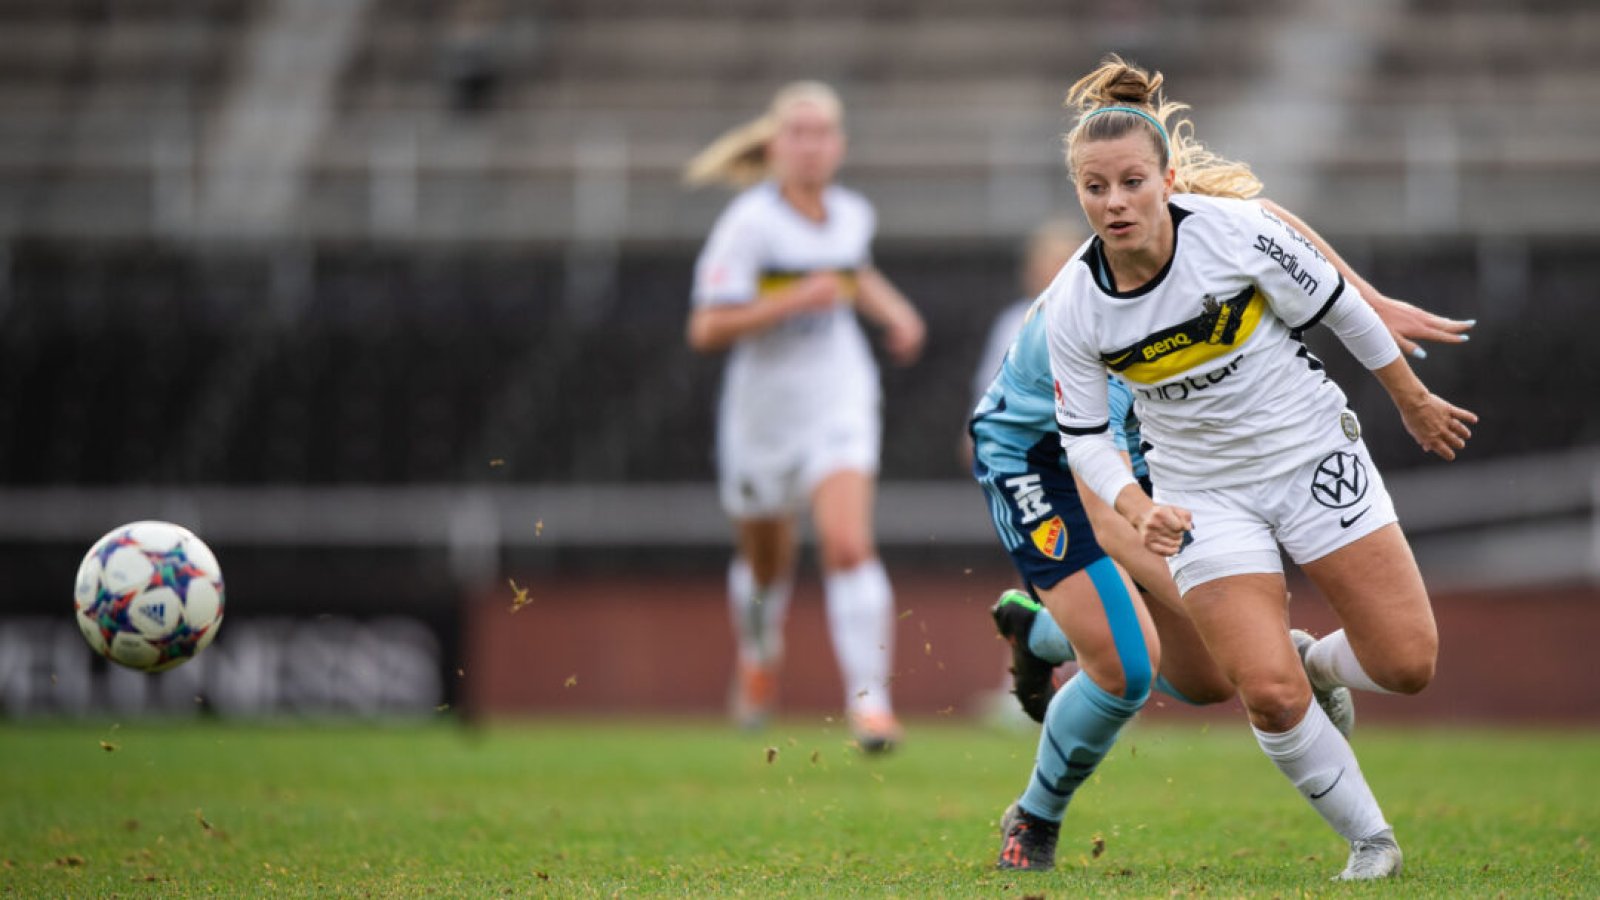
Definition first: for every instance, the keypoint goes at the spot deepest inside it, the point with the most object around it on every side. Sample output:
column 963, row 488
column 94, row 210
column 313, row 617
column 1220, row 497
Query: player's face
column 808, row 147
column 1124, row 192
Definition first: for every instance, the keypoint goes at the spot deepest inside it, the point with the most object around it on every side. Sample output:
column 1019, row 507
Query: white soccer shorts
column 1332, row 501
column 759, row 482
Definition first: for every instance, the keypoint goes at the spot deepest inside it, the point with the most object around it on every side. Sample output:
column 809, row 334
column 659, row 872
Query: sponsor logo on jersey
column 1027, row 492
column 773, row 280
column 1339, row 481
column 1289, row 262
column 1188, row 386
column 1293, row 233
column 1051, row 538
column 1221, row 326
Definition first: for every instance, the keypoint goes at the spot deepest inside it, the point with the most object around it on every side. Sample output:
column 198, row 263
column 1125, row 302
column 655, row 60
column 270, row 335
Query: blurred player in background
column 780, row 281
column 1050, row 247
column 1199, row 299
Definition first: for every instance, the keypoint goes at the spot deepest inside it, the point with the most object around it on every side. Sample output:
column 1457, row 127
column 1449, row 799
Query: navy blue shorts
column 1040, row 520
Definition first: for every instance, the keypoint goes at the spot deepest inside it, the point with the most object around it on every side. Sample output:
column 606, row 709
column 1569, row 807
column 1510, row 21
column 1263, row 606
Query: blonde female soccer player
column 1198, row 298
column 780, row 283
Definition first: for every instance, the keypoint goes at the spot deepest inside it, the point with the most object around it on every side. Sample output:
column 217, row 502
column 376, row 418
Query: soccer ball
column 149, row 595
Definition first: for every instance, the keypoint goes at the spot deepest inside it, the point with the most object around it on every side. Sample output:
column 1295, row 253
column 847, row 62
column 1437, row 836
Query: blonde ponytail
column 1118, row 97
column 739, row 157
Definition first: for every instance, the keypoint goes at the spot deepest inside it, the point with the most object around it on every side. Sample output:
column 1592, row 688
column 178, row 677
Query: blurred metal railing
column 1524, row 520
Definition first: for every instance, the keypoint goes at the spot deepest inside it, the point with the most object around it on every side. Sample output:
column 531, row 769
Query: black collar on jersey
column 1095, row 259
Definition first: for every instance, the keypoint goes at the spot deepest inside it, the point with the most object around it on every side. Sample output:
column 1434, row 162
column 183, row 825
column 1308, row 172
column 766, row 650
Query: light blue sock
column 1079, row 728
column 1083, row 719
column 1165, row 687
column 1046, row 640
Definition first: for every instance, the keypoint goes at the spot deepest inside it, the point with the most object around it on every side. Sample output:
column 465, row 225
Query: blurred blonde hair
column 1118, row 83
column 739, row 156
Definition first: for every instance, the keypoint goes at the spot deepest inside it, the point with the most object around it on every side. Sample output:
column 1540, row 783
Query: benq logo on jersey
column 1164, row 346
column 1051, row 538
column 1340, row 480
column 1221, row 326
column 1289, row 262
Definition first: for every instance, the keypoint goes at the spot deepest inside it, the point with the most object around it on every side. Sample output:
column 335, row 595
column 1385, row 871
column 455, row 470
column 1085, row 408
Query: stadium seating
column 506, row 279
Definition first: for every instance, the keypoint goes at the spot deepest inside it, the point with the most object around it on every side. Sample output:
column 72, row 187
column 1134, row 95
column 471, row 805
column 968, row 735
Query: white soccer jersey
column 812, row 371
column 1225, row 390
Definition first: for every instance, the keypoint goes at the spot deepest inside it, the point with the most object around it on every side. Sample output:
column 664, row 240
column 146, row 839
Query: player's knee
column 1275, row 704
column 1406, row 665
column 1130, row 678
column 1408, row 676
column 845, row 552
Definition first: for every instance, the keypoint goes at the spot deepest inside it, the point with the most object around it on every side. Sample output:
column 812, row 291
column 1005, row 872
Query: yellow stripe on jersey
column 773, row 280
column 1216, row 332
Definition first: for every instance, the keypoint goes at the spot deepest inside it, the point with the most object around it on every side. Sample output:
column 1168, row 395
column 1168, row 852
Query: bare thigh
column 1077, row 608
column 1376, row 589
column 841, row 512
column 1240, row 617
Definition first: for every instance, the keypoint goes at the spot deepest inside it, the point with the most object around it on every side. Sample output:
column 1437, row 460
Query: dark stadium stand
column 422, row 307
column 142, row 364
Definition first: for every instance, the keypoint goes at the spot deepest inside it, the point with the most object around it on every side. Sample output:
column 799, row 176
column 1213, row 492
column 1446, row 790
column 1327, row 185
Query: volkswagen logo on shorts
column 1340, row 480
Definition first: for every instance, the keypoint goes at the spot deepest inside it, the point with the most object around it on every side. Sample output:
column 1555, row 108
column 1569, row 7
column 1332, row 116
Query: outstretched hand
column 1410, row 324
column 1438, row 426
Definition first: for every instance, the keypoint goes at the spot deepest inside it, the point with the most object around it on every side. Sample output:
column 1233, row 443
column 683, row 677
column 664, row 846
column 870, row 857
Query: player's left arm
column 882, row 304
column 1407, row 322
column 1306, row 292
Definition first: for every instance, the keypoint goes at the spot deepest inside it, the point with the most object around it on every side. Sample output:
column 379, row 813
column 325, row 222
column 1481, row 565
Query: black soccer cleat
column 1032, row 678
column 1027, row 841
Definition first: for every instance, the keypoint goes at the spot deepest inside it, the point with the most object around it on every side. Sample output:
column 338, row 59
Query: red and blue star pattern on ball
column 171, row 569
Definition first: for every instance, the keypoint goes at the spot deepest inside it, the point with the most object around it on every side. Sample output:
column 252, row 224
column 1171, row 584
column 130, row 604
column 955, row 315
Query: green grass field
column 604, row 809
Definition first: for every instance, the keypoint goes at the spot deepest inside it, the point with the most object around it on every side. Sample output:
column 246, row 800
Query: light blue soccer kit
column 1039, row 516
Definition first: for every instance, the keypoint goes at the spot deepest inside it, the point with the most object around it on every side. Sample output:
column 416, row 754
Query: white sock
column 1319, row 762
column 861, row 621
column 1331, row 663
column 758, row 614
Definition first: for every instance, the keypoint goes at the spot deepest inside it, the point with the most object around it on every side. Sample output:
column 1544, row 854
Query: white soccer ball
column 149, row 595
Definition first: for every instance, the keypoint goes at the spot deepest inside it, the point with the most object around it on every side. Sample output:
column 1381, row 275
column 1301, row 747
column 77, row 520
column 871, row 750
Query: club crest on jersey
column 1051, row 538
column 1350, row 425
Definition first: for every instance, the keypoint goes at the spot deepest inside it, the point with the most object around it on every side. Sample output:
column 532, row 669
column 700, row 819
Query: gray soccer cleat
column 1027, row 841
column 1373, row 858
column 1336, row 702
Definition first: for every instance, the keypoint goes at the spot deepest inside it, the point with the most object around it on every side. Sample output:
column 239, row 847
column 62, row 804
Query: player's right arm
column 717, row 327
column 1083, row 418
column 728, row 303
column 1121, row 541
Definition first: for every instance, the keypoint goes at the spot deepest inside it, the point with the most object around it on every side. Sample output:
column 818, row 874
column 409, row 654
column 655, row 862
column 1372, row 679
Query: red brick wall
column 598, row 644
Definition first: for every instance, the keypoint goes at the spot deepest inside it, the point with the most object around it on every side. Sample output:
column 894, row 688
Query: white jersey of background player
column 780, row 281
column 800, row 399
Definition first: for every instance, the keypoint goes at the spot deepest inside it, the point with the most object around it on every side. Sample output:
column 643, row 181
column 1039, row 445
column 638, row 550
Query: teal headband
column 1138, row 112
